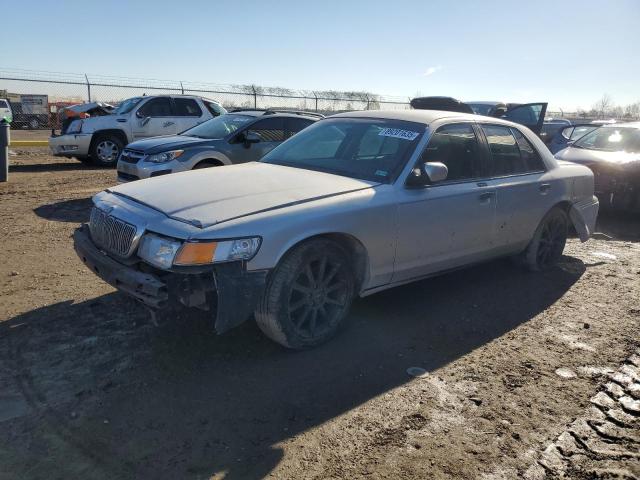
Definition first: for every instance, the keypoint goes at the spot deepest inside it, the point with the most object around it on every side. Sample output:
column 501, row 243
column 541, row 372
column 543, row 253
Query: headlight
column 158, row 251
column 163, row 252
column 75, row 127
column 203, row 253
column 164, row 157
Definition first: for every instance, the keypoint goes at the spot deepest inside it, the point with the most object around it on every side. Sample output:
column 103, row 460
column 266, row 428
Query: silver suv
column 101, row 139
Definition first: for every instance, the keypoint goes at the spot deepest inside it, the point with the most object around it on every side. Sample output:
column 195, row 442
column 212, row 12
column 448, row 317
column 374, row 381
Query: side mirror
column 430, row 172
column 250, row 137
column 435, row 171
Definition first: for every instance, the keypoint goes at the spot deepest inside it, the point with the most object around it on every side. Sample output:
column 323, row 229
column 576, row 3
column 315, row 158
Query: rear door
column 153, row 118
column 449, row 223
column 293, row 125
column 188, row 113
column 518, row 175
column 530, row 115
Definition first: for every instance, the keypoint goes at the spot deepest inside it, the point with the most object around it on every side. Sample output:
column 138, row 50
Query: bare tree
column 603, row 105
column 632, row 110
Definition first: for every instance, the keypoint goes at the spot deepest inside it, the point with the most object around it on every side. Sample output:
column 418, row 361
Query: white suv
column 101, row 139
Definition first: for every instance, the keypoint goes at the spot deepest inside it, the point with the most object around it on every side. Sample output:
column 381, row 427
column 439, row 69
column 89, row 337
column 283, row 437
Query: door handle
column 167, row 124
column 486, row 197
column 544, row 187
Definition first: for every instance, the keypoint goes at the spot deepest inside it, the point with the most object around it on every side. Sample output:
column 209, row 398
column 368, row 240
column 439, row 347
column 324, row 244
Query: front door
column 530, row 115
column 449, row 223
column 153, row 118
column 270, row 131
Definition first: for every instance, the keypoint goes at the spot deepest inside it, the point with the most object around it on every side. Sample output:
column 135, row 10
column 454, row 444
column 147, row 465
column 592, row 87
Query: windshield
column 368, row 149
column 611, row 140
column 481, row 108
column 218, row 127
column 127, row 105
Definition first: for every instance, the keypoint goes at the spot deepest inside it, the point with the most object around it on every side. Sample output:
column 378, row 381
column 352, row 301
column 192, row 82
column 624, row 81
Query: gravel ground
column 521, row 369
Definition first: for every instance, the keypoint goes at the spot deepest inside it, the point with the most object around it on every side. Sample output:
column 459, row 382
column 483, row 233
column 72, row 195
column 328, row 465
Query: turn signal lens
column 199, row 253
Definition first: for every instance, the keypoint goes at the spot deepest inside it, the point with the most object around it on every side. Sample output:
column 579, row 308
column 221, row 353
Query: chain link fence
column 36, row 97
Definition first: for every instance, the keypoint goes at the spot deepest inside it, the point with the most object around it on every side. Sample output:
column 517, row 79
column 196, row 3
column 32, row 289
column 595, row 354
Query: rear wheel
column 105, row 150
column 549, row 239
column 308, row 295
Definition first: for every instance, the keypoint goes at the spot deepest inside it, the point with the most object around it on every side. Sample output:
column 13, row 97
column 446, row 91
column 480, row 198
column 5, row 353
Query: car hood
column 166, row 143
column 206, row 197
column 585, row 156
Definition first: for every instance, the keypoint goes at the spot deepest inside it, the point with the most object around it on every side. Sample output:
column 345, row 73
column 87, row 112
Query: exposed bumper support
column 236, row 291
column 583, row 216
column 143, row 286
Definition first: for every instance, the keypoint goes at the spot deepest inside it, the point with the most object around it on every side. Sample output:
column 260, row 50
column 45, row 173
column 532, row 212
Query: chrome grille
column 131, row 156
column 111, row 233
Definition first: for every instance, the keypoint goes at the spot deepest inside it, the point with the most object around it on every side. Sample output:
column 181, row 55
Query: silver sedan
column 354, row 204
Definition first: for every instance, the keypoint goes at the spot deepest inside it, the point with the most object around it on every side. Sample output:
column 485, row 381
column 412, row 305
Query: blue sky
column 567, row 52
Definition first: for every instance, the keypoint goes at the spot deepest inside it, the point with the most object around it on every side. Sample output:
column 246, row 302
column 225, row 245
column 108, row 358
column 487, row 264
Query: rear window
column 187, row 107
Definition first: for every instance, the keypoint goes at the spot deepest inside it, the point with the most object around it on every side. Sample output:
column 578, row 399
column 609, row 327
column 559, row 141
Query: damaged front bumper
column 228, row 290
column 617, row 187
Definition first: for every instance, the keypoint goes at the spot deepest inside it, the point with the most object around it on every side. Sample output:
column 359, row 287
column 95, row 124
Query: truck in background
column 29, row 110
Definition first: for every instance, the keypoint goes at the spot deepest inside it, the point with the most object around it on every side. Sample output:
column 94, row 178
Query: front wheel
column 549, row 239
column 308, row 295
column 106, row 150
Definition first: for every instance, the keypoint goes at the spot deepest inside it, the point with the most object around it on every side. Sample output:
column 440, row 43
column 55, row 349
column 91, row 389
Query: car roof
column 422, row 116
column 617, row 125
column 262, row 113
column 486, row 102
column 176, row 95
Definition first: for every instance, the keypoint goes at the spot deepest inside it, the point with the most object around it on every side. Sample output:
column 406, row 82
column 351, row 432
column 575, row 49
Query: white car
column 101, row 139
column 5, row 110
column 354, row 204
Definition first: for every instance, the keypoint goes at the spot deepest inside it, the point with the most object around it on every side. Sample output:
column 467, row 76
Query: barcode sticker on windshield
column 398, row 133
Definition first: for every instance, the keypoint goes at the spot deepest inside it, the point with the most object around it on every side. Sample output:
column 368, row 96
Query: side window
column 187, row 107
column 528, row 153
column 580, row 132
column 269, row 129
column 214, row 108
column 457, row 147
column 566, row 133
column 294, row 125
column 505, row 154
column 156, row 107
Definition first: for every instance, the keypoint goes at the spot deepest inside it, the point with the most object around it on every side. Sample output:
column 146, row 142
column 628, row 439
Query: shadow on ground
column 109, row 396
column 77, row 210
column 52, row 167
column 619, row 225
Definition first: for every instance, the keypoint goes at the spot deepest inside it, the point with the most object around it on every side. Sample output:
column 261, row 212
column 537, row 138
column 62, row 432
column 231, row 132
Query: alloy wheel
column 551, row 244
column 318, row 296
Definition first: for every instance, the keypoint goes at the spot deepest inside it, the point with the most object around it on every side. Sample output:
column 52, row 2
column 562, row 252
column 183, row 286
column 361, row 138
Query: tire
column 105, row 150
column 85, row 160
column 34, row 124
column 546, row 247
column 308, row 295
column 207, row 164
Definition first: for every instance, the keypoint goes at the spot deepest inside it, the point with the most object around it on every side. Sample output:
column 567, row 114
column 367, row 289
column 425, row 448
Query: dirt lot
column 90, row 389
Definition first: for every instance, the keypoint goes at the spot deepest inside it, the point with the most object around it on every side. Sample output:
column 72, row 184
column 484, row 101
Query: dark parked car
column 566, row 135
column 551, row 127
column 612, row 152
column 530, row 115
column 240, row 136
